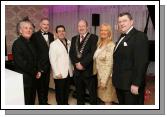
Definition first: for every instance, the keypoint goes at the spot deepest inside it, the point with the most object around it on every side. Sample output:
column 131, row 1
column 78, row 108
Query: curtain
column 69, row 15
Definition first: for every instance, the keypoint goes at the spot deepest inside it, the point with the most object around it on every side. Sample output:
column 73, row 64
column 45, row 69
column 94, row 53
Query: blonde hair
column 109, row 29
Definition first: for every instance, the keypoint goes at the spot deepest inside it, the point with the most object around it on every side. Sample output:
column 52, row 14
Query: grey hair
column 20, row 23
column 84, row 21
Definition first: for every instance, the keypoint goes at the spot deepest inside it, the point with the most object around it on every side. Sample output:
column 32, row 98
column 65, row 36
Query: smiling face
column 124, row 23
column 44, row 25
column 82, row 27
column 105, row 31
column 60, row 33
column 26, row 29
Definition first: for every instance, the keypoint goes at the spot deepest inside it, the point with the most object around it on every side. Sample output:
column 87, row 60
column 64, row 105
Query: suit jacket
column 42, row 50
column 87, row 56
column 59, row 59
column 130, row 60
column 25, row 60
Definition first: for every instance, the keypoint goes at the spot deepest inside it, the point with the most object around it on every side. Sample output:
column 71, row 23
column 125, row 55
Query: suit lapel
column 42, row 38
column 68, row 45
column 128, row 36
column 49, row 38
column 62, row 46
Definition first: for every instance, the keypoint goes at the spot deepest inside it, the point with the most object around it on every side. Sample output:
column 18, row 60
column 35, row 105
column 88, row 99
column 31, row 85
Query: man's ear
column 55, row 34
column 87, row 28
column 40, row 24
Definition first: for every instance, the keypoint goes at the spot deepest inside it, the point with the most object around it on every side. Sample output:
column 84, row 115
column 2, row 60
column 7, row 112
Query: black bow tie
column 45, row 33
column 122, row 35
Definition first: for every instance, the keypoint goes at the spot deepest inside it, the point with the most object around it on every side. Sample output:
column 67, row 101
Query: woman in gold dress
column 103, row 63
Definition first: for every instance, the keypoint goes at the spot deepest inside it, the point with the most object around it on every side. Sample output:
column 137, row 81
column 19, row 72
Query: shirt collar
column 84, row 34
column 129, row 29
column 43, row 32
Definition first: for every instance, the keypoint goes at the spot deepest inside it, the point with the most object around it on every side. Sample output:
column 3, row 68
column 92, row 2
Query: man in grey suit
column 130, row 62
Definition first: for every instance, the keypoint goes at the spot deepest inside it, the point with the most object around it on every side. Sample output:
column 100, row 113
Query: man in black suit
column 42, row 40
column 130, row 62
column 82, row 50
column 25, row 60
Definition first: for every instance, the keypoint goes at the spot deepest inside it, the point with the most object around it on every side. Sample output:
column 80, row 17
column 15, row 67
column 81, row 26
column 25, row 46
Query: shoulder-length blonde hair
column 109, row 39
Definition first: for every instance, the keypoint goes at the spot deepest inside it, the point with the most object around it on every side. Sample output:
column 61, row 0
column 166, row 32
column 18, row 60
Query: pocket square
column 125, row 44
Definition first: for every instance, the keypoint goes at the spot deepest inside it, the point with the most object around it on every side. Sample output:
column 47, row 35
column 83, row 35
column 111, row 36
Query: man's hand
column 38, row 75
column 102, row 86
column 79, row 66
column 134, row 89
column 59, row 76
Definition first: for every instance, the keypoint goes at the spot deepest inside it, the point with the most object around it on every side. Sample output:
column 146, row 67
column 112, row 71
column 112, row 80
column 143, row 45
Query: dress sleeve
column 108, row 66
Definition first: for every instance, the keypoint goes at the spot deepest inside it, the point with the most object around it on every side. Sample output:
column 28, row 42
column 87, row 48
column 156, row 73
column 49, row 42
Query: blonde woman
column 103, row 63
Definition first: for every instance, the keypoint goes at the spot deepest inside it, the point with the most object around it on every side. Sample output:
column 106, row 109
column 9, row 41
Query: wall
column 14, row 13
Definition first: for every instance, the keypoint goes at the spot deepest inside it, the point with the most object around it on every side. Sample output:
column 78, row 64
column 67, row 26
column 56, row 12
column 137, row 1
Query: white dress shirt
column 122, row 38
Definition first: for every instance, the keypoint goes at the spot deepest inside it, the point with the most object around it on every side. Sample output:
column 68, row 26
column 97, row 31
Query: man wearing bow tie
column 130, row 62
column 42, row 40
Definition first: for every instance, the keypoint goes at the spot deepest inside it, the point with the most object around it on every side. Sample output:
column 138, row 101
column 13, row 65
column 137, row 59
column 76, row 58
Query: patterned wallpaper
column 14, row 13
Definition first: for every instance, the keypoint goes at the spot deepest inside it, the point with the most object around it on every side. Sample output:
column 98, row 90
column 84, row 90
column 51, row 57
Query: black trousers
column 29, row 95
column 125, row 97
column 62, row 90
column 42, row 86
column 83, row 83
column 141, row 95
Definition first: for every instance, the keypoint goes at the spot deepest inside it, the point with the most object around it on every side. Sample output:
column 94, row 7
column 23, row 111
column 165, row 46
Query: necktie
column 65, row 43
column 45, row 33
column 82, row 37
column 122, row 35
